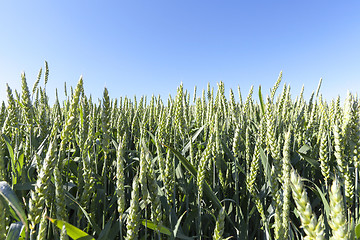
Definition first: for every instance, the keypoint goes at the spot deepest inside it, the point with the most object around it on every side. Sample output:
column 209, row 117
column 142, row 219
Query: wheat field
column 197, row 165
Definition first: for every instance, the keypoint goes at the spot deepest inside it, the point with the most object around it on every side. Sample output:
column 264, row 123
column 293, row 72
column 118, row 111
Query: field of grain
column 195, row 166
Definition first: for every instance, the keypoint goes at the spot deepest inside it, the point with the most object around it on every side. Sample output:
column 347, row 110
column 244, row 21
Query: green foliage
column 71, row 230
column 208, row 168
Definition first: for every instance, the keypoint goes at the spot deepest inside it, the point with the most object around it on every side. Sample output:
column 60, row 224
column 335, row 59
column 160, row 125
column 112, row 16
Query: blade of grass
column 176, row 232
column 8, row 194
column 322, row 196
column 12, row 158
column 149, row 224
column 72, row 231
column 193, row 138
column 207, row 190
column 15, row 231
column 92, row 223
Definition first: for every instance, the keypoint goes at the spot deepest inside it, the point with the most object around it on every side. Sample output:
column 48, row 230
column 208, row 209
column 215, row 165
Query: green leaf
column 7, row 141
column 310, row 160
column 12, row 157
column 72, row 231
column 20, row 163
column 266, row 165
column 193, row 171
column 325, row 202
column 184, row 162
column 322, row 196
column 8, row 194
column 153, row 226
column 15, row 230
column 231, row 156
column 193, row 138
column 92, row 223
column 104, row 234
column 304, row 149
column 303, row 153
column 207, row 190
column 357, row 230
column 176, row 232
column 27, row 186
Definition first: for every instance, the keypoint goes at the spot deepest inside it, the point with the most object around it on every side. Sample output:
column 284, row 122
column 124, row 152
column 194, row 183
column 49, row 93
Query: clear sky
column 150, row 47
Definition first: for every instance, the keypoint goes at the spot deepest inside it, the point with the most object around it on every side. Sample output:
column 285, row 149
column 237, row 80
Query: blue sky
column 150, row 47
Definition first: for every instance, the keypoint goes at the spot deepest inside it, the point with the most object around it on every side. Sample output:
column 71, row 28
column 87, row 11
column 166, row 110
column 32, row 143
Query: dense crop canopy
column 201, row 167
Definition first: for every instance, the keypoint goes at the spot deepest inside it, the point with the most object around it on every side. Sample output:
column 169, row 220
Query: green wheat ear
column 101, row 167
column 120, row 188
column 219, row 227
column 286, row 182
column 337, row 221
column 313, row 227
column 133, row 220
